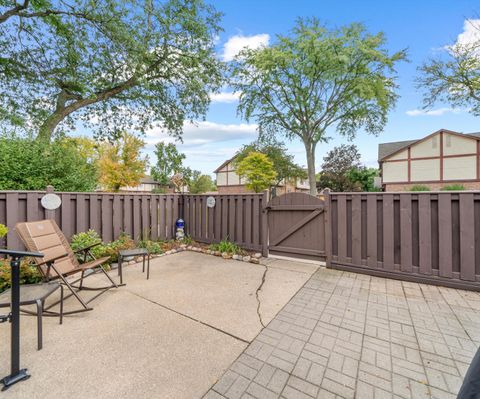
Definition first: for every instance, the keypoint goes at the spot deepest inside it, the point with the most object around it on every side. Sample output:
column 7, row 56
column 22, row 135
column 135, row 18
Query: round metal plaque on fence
column 210, row 202
column 51, row 201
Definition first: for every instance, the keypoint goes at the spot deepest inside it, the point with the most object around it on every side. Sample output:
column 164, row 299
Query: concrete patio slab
column 219, row 292
column 172, row 336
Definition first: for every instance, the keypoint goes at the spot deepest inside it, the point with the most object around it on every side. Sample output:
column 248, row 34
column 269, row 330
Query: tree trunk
column 312, row 180
column 48, row 127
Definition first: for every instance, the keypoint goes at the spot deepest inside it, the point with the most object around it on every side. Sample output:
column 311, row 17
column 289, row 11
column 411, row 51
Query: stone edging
column 255, row 258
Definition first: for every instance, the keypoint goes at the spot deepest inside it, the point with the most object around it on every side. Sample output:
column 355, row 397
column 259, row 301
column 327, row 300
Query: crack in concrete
column 257, row 292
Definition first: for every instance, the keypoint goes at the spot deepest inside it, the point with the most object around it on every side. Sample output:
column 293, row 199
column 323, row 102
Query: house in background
column 228, row 182
column 440, row 159
column 147, row 185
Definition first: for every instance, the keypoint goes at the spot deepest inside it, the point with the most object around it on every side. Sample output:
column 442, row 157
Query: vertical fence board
column 406, row 232
column 11, row 220
column 388, row 232
column 372, row 231
column 424, row 234
column 357, row 229
column 117, row 216
column 467, row 239
column 445, row 234
column 342, row 227
column 107, row 216
column 154, row 217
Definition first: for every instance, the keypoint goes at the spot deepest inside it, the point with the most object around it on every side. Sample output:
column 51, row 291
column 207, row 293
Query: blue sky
column 423, row 27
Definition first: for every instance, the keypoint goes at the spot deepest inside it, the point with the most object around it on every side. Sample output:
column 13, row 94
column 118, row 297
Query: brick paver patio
column 346, row 335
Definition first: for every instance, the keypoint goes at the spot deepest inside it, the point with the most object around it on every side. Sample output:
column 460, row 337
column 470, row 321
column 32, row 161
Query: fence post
column 49, row 214
column 328, row 227
column 264, row 236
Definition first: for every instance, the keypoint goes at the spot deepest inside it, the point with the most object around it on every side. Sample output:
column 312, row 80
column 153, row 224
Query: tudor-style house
column 228, row 182
column 440, row 159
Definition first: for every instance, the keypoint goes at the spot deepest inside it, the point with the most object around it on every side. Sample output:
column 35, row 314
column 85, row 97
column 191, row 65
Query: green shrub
column 154, row 247
column 111, row 249
column 419, row 187
column 3, row 230
column 226, row 246
column 85, row 239
column 82, row 240
column 454, row 187
column 29, row 274
column 187, row 240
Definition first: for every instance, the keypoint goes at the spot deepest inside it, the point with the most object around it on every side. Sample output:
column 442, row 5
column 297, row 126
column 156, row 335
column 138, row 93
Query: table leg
column 143, row 263
column 120, row 273
column 148, row 266
column 39, row 323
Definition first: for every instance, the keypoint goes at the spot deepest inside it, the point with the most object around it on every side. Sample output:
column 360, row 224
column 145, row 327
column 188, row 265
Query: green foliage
column 82, row 240
column 453, row 187
column 3, row 230
column 337, row 168
column 315, row 79
column 198, row 183
column 363, row 178
column 27, row 164
column 276, row 151
column 187, row 240
column 29, row 274
column 154, row 247
column 453, row 76
column 120, row 163
column 258, row 170
column 114, row 65
column 85, row 239
column 226, row 246
column 169, row 162
column 419, row 187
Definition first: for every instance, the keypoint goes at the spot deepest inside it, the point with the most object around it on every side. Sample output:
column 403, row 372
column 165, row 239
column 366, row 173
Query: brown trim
column 470, row 154
column 441, row 156
column 409, row 163
column 478, row 159
column 433, row 181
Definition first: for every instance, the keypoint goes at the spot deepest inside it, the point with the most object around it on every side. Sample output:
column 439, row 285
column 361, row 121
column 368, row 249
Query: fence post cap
column 50, row 189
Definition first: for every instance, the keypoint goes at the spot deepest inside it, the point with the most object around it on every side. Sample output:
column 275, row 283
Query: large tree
column 28, row 164
column 283, row 163
column 114, row 64
column 258, row 170
column 454, row 75
column 120, row 163
column 169, row 162
column 315, row 79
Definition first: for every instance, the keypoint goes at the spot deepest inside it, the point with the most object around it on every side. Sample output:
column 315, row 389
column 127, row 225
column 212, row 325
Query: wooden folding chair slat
column 46, row 237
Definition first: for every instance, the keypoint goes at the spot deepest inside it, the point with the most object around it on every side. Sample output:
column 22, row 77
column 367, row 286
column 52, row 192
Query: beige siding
column 454, row 145
column 233, row 179
column 401, row 155
column 427, row 148
column 395, row 172
column 461, row 168
column 221, row 178
column 425, row 170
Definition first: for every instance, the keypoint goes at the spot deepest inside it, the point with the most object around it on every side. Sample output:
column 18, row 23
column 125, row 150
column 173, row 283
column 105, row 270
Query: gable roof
column 223, row 165
column 387, row 149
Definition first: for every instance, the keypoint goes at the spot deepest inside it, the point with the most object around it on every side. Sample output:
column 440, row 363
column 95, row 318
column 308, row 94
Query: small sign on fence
column 210, row 202
column 51, row 201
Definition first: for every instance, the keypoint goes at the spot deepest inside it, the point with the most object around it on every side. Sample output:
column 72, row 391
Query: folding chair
column 60, row 260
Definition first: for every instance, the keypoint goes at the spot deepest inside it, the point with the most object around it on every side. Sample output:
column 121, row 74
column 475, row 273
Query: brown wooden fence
column 238, row 217
column 429, row 237
column 139, row 215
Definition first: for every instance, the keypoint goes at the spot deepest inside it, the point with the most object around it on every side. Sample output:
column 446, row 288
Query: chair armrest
column 87, row 248
column 51, row 260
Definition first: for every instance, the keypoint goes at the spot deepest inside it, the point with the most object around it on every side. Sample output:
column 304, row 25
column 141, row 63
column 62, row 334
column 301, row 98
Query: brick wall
column 432, row 186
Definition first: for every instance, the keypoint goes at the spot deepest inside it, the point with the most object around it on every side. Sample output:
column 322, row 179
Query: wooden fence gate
column 296, row 225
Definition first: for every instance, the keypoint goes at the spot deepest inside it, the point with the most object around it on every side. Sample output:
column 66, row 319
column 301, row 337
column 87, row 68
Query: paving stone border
column 255, row 258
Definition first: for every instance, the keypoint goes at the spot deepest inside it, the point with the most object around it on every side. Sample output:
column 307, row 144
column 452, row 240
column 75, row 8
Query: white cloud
column 435, row 112
column 238, row 42
column 468, row 39
column 205, row 132
column 224, row 97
